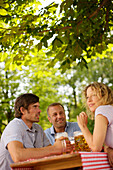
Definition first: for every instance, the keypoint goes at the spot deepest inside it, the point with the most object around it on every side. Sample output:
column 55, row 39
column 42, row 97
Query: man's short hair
column 24, row 100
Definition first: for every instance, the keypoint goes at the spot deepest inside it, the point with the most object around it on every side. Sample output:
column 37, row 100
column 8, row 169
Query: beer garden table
column 77, row 160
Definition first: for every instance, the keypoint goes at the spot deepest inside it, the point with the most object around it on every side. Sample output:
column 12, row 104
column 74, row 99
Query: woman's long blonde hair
column 103, row 92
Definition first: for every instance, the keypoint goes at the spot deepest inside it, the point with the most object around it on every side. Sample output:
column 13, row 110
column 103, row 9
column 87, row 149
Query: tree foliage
column 78, row 30
column 9, row 86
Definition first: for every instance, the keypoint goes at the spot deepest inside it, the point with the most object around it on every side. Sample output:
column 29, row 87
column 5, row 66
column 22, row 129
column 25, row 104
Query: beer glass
column 64, row 134
column 80, row 142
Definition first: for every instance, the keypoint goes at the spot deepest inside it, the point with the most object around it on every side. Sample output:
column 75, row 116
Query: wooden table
column 66, row 161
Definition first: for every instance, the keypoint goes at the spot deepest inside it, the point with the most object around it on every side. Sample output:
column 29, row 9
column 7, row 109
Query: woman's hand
column 82, row 119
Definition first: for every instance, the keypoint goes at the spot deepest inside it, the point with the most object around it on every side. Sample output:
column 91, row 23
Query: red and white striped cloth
column 95, row 161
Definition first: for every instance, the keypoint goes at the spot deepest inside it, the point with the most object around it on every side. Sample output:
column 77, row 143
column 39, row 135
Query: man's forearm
column 35, row 153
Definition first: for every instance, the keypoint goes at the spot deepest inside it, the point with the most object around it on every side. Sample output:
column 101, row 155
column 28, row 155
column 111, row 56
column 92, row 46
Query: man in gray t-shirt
column 56, row 116
column 23, row 138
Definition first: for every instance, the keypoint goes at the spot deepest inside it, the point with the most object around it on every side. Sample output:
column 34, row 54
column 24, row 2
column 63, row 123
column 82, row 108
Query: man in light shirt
column 57, row 117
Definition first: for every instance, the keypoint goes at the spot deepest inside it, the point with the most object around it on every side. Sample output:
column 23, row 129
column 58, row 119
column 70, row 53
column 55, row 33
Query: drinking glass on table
column 64, row 134
column 80, row 142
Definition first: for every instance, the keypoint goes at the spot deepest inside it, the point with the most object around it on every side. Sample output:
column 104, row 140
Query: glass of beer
column 60, row 134
column 80, row 142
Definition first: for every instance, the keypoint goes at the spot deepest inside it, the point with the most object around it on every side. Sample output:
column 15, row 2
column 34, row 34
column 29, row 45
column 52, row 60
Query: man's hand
column 63, row 144
column 110, row 155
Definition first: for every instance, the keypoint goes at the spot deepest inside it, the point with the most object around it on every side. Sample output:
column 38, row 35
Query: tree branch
column 107, row 16
column 98, row 9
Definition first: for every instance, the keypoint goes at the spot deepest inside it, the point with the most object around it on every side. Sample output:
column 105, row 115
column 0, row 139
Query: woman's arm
column 96, row 140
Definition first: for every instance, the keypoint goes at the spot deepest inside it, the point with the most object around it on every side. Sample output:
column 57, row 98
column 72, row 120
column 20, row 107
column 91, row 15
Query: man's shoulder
column 13, row 127
column 50, row 131
column 15, row 122
column 72, row 123
column 47, row 130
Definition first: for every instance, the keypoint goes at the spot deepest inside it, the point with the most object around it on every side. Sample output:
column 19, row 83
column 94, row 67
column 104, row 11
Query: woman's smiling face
column 93, row 100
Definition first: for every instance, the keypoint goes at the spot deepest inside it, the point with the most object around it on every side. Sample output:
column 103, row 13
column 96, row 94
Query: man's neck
column 28, row 123
column 59, row 130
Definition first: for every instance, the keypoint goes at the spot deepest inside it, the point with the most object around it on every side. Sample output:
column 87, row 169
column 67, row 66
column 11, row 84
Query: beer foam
column 77, row 133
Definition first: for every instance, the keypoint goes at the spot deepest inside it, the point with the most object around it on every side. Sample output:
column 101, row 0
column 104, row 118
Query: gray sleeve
column 12, row 132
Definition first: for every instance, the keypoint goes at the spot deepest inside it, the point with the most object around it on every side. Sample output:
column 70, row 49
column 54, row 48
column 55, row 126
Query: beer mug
column 64, row 134
column 80, row 142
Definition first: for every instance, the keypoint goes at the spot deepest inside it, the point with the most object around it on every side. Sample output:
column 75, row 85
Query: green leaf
column 39, row 46
column 3, row 12
column 57, row 43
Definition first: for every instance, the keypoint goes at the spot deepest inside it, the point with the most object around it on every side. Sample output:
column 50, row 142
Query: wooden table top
column 64, row 161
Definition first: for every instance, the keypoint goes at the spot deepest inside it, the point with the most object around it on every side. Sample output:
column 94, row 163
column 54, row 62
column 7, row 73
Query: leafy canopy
column 78, row 30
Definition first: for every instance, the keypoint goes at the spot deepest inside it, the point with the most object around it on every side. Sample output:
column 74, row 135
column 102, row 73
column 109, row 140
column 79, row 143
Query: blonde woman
column 99, row 101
